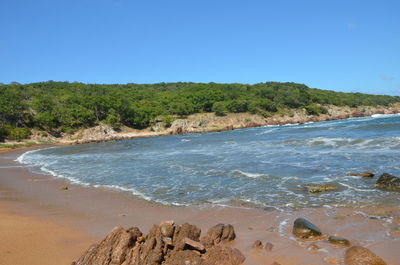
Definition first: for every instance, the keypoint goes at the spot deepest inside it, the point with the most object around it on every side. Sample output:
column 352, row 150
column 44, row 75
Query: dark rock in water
column 219, row 255
column 320, row 188
column 257, row 244
column 361, row 256
column 218, row 234
column 130, row 247
column 305, row 229
column 365, row 174
column 388, row 182
column 340, row 241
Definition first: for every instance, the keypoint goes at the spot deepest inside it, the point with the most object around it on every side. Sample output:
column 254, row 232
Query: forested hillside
column 59, row 107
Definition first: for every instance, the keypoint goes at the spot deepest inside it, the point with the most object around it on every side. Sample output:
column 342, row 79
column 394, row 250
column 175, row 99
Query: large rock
column 305, row 229
column 388, row 182
column 130, row 247
column 218, row 234
column 320, row 188
column 361, row 256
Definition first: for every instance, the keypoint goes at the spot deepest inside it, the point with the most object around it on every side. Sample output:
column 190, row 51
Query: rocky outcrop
column 388, row 182
column 320, row 188
column 218, row 234
column 365, row 174
column 164, row 244
column 361, row 256
column 304, row 229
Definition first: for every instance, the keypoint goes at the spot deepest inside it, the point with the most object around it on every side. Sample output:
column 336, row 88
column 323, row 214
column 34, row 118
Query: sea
column 265, row 167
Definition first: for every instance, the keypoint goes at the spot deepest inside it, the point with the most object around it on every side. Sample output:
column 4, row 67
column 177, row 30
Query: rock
column 185, row 231
column 64, row 188
column 361, row 256
column 257, row 244
column 275, row 263
column 130, row 247
column 312, row 247
column 167, row 228
column 268, row 246
column 365, row 174
column 340, row 241
column 112, row 249
column 388, row 182
column 305, row 229
column 218, row 234
column 194, row 244
column 320, row 188
column 221, row 255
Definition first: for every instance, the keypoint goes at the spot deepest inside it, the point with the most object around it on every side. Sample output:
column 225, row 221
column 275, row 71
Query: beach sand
column 66, row 222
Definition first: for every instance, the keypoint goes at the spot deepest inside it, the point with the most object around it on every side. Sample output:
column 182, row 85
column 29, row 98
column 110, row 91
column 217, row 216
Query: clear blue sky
column 340, row 45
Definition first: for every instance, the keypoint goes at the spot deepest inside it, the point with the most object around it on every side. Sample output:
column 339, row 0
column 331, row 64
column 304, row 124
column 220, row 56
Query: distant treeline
column 59, row 107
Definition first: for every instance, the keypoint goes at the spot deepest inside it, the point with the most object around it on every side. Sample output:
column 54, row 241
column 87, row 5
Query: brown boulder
column 185, row 231
column 361, row 256
column 257, row 245
column 365, row 174
column 305, row 229
column 186, row 257
column 218, row 234
column 388, row 182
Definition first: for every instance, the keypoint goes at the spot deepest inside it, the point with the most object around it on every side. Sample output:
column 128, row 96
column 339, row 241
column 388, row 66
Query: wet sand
column 83, row 214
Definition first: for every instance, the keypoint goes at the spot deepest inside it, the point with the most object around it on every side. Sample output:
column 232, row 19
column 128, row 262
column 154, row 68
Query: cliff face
column 208, row 122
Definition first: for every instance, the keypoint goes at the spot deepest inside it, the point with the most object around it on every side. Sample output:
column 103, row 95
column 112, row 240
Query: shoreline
column 207, row 122
column 93, row 212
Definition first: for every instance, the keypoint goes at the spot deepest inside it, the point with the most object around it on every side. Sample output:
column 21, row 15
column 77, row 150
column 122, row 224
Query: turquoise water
column 264, row 167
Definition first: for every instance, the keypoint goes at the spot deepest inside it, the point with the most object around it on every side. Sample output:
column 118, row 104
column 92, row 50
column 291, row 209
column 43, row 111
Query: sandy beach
column 43, row 223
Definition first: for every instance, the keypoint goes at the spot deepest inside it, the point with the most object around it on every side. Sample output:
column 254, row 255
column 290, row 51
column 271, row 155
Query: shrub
column 219, row 108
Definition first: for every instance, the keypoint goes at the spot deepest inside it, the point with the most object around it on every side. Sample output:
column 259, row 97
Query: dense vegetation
column 58, row 107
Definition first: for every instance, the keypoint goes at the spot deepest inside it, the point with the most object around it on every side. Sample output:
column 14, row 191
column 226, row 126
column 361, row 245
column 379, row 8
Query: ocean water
column 266, row 167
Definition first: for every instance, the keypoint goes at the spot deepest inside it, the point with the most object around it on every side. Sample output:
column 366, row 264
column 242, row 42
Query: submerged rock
column 340, row 241
column 130, row 247
column 361, row 256
column 364, row 174
column 388, row 182
column 305, row 229
column 320, row 188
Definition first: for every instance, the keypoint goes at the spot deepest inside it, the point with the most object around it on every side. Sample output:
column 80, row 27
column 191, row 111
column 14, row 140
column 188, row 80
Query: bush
column 219, row 108
column 315, row 109
column 12, row 133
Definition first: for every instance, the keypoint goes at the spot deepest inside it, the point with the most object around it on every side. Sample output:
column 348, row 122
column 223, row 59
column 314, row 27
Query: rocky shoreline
column 171, row 244
column 209, row 122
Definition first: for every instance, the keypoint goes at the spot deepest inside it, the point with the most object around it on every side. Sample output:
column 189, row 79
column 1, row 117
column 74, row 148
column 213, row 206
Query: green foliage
column 66, row 107
column 13, row 133
column 315, row 109
column 219, row 108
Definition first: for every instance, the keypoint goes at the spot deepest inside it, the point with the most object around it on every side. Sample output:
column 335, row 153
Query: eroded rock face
column 361, row 256
column 305, row 229
column 218, row 234
column 164, row 244
column 388, row 182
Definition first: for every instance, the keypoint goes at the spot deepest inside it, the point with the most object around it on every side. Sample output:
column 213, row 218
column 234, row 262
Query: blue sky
column 339, row 45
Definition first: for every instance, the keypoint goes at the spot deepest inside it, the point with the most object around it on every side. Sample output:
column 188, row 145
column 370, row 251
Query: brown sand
column 27, row 240
column 81, row 213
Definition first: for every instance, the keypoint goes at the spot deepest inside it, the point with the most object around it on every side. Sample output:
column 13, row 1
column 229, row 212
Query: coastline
column 202, row 123
column 93, row 212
